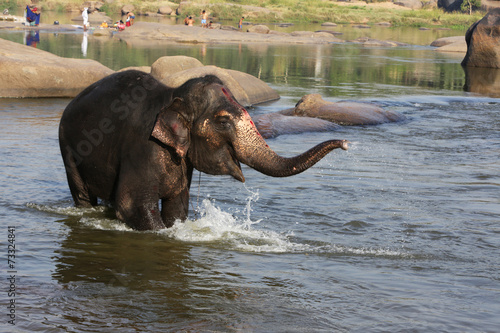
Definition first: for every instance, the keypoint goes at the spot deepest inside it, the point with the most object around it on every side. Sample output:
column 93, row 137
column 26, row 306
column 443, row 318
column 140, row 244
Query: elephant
column 343, row 113
column 313, row 114
column 271, row 125
column 131, row 141
column 483, row 42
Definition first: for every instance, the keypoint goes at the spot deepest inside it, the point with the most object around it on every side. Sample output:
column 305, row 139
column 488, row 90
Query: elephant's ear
column 171, row 128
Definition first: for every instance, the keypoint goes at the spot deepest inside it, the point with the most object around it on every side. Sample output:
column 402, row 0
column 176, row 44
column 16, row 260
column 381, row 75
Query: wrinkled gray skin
column 132, row 141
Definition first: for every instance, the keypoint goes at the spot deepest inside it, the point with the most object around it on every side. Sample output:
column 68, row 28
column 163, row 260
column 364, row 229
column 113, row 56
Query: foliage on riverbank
column 282, row 11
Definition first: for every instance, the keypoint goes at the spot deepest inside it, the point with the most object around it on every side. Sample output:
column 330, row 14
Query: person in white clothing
column 85, row 16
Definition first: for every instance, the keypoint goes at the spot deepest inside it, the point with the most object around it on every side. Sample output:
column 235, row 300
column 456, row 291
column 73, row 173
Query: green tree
column 469, row 5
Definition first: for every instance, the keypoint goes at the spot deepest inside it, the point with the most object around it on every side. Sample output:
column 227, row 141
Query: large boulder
column 29, row 72
column 343, row 113
column 165, row 10
column 92, row 6
column 180, row 9
column 127, row 8
column 247, row 89
column 450, row 44
column 450, row 5
column 145, row 69
column 260, row 29
column 447, row 41
column 413, row 4
column 166, row 66
column 483, row 42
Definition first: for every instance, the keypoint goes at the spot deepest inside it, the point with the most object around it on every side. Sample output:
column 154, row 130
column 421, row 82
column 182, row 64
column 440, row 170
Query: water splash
column 68, row 210
column 93, row 217
column 220, row 229
column 105, row 224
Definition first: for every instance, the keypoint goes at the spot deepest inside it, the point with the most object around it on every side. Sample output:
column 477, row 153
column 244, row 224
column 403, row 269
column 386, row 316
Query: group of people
column 33, row 18
column 119, row 25
column 189, row 20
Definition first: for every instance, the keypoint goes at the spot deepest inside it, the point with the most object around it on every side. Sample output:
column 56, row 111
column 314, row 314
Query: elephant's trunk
column 252, row 150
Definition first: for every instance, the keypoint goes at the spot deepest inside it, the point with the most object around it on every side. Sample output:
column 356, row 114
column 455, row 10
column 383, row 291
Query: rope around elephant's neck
column 197, row 198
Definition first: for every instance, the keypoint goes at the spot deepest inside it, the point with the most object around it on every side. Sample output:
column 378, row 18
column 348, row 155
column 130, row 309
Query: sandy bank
column 144, row 32
column 149, row 34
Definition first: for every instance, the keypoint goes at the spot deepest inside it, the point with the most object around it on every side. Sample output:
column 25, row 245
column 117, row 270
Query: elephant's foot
column 175, row 209
column 143, row 217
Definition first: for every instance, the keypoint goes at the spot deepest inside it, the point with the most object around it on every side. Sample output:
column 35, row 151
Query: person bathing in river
column 190, row 22
column 186, row 20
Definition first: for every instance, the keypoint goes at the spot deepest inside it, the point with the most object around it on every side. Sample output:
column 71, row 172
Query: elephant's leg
column 175, row 208
column 144, row 216
column 178, row 207
column 136, row 203
column 79, row 191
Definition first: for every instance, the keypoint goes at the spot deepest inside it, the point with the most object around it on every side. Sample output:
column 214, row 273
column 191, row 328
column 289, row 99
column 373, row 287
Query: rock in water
column 483, row 42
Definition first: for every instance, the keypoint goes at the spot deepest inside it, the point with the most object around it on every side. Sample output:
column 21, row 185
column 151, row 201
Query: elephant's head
column 206, row 124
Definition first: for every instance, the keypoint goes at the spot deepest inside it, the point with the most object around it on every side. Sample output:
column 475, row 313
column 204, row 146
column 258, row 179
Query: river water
column 400, row 233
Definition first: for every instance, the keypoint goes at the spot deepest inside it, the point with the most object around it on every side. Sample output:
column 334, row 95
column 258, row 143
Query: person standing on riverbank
column 32, row 16
column 85, row 16
column 131, row 17
column 240, row 24
column 204, row 16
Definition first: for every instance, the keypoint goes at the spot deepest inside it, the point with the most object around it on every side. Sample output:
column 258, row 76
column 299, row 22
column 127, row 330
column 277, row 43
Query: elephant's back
column 112, row 116
column 122, row 103
column 123, row 96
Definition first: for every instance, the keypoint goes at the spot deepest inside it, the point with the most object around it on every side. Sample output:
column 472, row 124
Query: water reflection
column 117, row 258
column 31, row 37
column 167, row 283
column 327, row 69
column 330, row 70
column 484, row 81
column 84, row 44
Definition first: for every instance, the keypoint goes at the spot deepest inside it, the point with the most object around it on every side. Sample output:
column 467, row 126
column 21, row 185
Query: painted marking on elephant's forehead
column 246, row 115
column 228, row 96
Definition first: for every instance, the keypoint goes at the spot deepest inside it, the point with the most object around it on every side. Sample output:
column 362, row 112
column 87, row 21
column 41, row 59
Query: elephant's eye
column 223, row 119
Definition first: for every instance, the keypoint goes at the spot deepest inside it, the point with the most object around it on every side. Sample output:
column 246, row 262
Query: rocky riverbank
column 150, row 34
column 35, row 73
